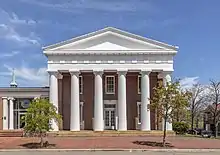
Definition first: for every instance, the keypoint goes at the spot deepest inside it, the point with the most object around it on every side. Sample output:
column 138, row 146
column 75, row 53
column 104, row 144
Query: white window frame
column 139, row 112
column 109, row 76
column 81, row 86
column 139, row 84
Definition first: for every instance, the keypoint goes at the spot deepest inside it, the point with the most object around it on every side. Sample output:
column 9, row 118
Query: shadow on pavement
column 37, row 145
column 153, row 144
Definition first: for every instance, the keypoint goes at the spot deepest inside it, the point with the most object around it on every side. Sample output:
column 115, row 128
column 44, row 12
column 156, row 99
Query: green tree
column 38, row 118
column 179, row 114
column 166, row 99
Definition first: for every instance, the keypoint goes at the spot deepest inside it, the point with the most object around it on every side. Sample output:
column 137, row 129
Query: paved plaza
column 112, row 143
column 110, row 153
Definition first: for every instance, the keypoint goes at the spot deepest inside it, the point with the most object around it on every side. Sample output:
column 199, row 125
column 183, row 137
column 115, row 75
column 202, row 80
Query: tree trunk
column 164, row 131
column 215, row 126
column 197, row 122
column 177, row 116
column 158, row 121
column 216, row 129
column 192, row 121
column 41, row 140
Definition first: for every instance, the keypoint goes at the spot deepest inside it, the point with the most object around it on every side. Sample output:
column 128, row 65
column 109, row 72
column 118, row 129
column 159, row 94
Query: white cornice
column 112, row 62
column 110, row 52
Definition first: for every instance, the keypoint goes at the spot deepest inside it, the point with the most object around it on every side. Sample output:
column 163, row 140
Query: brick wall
column 88, row 98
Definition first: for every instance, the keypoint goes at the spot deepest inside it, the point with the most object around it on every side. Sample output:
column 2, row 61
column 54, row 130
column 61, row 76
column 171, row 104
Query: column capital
column 98, row 72
column 145, row 72
column 122, row 72
column 74, row 72
column 56, row 73
column 5, row 98
column 11, row 98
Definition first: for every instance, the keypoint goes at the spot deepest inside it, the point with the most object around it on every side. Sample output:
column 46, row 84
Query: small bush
column 180, row 127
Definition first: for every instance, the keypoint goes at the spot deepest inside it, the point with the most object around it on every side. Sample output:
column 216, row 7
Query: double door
column 109, row 118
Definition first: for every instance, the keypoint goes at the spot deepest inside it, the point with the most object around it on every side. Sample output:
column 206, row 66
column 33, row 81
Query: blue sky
column 27, row 25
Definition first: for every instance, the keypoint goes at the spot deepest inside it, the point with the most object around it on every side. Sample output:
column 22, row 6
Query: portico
column 106, row 65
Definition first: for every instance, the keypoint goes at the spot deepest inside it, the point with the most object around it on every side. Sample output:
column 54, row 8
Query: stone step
column 11, row 133
column 108, row 133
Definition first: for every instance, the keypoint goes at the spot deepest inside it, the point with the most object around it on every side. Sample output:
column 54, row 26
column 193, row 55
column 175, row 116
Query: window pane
column 110, row 84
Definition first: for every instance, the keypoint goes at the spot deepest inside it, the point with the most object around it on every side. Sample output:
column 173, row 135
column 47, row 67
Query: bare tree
column 214, row 100
column 196, row 102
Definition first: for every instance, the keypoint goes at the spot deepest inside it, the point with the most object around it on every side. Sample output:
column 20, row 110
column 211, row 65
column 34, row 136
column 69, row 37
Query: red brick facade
column 87, row 97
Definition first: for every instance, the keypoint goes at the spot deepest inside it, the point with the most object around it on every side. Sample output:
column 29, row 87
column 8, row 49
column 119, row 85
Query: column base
column 145, row 129
column 122, row 130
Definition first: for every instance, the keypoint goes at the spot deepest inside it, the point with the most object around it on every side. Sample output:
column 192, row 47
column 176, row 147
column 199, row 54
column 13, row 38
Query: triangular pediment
column 109, row 39
column 107, row 46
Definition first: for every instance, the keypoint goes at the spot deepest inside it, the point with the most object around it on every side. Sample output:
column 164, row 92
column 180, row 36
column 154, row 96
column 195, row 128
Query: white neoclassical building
column 98, row 81
column 104, row 79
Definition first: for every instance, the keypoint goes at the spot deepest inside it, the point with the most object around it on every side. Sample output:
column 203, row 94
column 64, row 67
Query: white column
column 167, row 79
column 5, row 113
column 98, row 99
column 54, row 76
column 11, row 113
column 75, row 110
column 145, row 102
column 122, row 107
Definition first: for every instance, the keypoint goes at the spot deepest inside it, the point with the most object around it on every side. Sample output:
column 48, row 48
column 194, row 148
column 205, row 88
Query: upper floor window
column 139, row 84
column 80, row 84
column 110, row 84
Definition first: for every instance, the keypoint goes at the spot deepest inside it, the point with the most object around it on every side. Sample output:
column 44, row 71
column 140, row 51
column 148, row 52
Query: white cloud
column 9, row 29
column 11, row 54
column 9, row 33
column 12, row 18
column 16, row 20
column 188, row 82
column 31, row 76
column 111, row 6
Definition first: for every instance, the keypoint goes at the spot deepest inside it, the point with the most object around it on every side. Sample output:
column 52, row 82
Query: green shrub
column 180, row 127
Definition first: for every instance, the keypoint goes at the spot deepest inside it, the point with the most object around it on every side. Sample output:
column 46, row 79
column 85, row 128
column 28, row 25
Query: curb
column 101, row 150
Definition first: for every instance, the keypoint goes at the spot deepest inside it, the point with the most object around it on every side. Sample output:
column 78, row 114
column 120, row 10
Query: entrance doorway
column 20, row 108
column 109, row 116
column 21, row 123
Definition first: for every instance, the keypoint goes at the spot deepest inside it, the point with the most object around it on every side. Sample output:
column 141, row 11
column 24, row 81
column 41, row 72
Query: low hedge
column 180, row 127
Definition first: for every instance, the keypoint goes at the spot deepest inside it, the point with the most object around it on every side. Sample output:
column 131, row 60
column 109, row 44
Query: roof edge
column 110, row 29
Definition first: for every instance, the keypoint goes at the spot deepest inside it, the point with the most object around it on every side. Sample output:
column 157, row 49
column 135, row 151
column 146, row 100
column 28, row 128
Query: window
column 81, row 111
column 20, row 108
column 139, row 84
column 110, row 84
column 80, row 84
column 139, row 112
